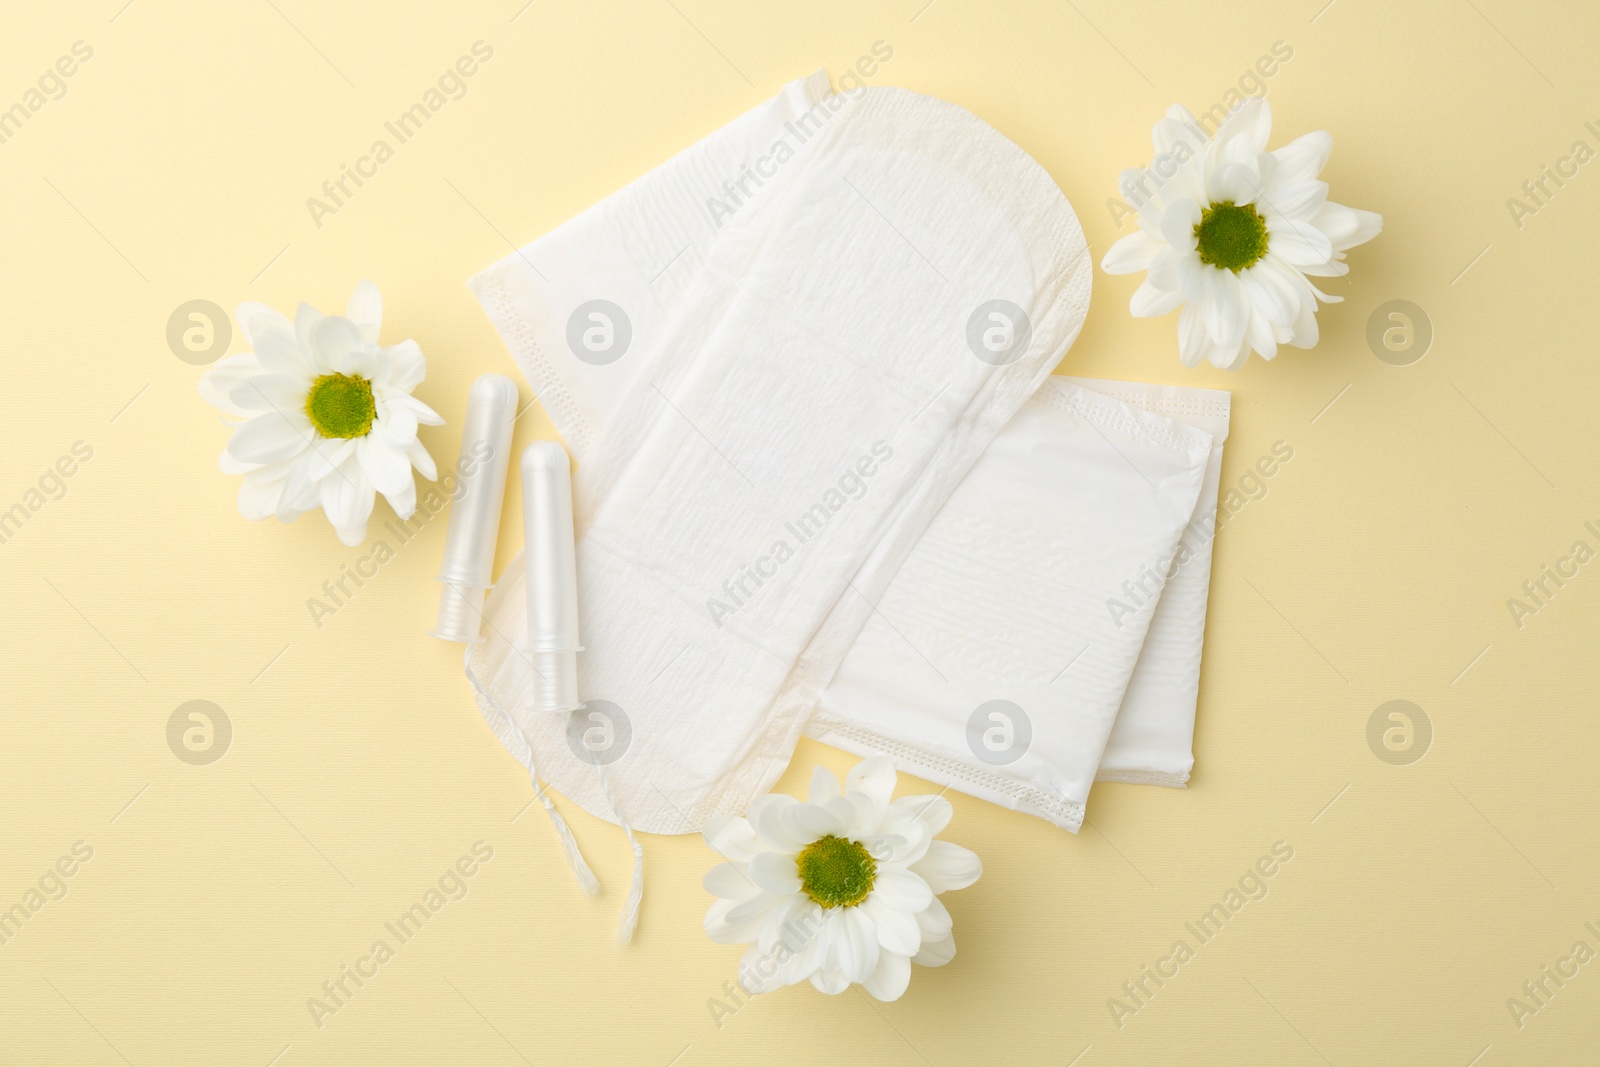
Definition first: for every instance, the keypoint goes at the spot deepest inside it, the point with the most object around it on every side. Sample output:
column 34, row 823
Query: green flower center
column 836, row 872
column 340, row 405
column 1231, row 235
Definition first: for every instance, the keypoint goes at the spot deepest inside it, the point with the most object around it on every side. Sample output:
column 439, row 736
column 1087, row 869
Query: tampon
column 475, row 516
column 552, row 576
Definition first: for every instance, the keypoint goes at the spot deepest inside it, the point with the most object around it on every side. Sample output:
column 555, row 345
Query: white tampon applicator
column 475, row 516
column 552, row 584
column 552, row 577
column 469, row 561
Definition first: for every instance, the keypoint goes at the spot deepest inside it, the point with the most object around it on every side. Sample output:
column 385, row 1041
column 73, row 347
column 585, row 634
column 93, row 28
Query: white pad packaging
column 991, row 664
column 1153, row 739
column 643, row 249
column 795, row 424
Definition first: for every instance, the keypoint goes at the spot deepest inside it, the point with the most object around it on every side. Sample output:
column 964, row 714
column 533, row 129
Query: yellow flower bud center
column 1231, row 236
column 836, row 872
column 341, row 405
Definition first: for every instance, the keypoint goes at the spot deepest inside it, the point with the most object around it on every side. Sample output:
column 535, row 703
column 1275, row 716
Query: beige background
column 1377, row 567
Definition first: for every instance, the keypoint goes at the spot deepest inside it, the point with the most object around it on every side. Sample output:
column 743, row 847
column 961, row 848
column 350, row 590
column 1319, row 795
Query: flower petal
column 856, row 814
column 807, row 822
column 228, row 465
column 328, row 454
column 366, row 361
column 301, row 491
column 1178, row 223
column 758, row 973
column 731, row 837
column 1181, row 115
column 895, row 849
column 347, row 498
column 730, row 881
column 339, row 344
column 852, row 944
column 258, row 496
column 875, row 779
column 1306, row 331
column 1180, row 272
column 253, row 316
column 768, row 817
column 904, row 839
column 792, row 924
column 396, row 424
column 306, row 319
column 1252, row 121
column 757, row 907
column 776, row 873
column 824, row 785
column 948, row 866
column 897, row 930
column 425, row 415
column 902, row 889
column 407, row 367
column 1172, row 130
column 830, row 982
column 932, row 810
column 1148, row 301
column 271, row 437
column 1298, row 243
column 1347, row 227
column 1225, row 310
column 1303, row 158
column 418, row 454
column 386, row 467
column 1230, row 358
column 1269, row 293
column 1189, row 179
column 279, row 353
column 1150, row 216
column 1234, row 181
column 936, row 953
column 404, row 499
column 1299, row 201
column 1260, row 336
column 889, row 979
column 1192, row 339
column 365, row 309
column 1334, row 268
column 217, row 383
column 934, row 921
column 804, row 935
column 268, row 392
column 1130, row 253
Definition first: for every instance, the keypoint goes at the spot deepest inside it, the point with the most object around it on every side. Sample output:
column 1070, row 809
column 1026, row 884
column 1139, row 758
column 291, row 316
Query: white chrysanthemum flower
column 324, row 414
column 841, row 890
column 1233, row 234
